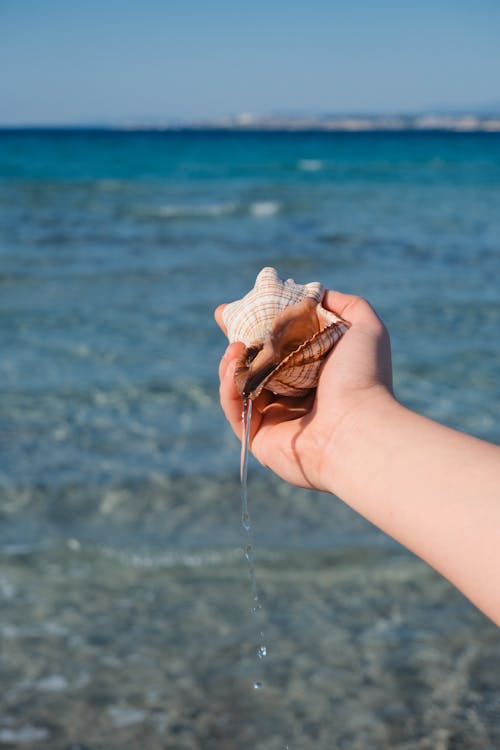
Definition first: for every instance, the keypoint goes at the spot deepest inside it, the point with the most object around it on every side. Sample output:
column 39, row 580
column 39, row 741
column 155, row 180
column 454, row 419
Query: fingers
column 230, row 398
column 342, row 304
column 267, row 407
column 354, row 309
column 285, row 408
column 231, row 354
column 218, row 317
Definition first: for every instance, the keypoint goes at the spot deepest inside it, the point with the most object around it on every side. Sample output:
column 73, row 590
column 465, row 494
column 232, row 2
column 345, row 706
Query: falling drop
column 258, row 685
column 262, row 652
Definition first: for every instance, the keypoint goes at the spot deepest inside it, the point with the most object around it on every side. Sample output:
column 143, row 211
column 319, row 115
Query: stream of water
column 246, row 522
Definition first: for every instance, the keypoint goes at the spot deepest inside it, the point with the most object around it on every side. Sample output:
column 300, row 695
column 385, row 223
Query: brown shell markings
column 287, row 334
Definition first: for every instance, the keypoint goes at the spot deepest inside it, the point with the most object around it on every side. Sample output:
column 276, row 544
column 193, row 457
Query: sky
column 118, row 61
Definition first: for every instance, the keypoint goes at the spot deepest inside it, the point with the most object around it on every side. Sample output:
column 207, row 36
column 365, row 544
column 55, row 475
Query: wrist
column 360, row 425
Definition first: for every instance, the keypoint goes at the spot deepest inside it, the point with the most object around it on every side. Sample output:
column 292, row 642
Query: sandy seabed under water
column 367, row 648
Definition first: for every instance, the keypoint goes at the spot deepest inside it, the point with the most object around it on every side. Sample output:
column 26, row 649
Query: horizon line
column 432, row 119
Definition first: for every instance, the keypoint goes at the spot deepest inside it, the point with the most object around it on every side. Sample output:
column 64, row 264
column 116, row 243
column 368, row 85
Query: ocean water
column 125, row 601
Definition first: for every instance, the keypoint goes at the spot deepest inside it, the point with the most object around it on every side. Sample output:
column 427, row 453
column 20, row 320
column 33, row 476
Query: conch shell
column 287, row 334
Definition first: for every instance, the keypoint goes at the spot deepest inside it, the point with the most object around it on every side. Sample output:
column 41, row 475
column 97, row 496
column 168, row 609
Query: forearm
column 435, row 490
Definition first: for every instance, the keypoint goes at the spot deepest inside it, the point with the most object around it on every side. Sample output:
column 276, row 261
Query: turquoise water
column 120, row 519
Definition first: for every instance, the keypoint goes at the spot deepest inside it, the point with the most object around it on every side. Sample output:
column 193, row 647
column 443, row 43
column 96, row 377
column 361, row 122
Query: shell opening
column 251, row 388
column 253, row 366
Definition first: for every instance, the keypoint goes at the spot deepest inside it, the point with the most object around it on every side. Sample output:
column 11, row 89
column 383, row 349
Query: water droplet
column 255, row 609
column 262, row 652
column 258, row 685
column 245, row 521
column 249, row 553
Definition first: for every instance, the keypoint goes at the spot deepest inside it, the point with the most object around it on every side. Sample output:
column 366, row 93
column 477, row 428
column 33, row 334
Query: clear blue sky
column 64, row 61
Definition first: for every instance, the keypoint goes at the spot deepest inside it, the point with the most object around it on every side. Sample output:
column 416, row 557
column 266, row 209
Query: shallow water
column 124, row 594
column 369, row 649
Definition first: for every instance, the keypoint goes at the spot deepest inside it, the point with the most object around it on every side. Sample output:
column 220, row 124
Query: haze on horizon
column 69, row 63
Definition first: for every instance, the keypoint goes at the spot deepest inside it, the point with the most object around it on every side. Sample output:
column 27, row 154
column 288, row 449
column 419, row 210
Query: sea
column 125, row 602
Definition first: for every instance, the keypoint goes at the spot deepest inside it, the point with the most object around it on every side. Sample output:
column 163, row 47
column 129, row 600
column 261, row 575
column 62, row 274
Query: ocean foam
column 310, row 165
column 188, row 211
column 264, row 209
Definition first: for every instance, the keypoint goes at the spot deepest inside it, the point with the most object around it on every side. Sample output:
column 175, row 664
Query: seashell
column 287, row 334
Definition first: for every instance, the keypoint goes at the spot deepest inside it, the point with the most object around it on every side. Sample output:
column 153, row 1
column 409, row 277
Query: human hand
column 298, row 438
column 352, row 438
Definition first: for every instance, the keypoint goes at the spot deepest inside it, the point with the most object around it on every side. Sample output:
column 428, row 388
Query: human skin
column 433, row 489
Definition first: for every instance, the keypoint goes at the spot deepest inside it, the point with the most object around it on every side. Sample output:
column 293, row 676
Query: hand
column 297, row 437
column 352, row 438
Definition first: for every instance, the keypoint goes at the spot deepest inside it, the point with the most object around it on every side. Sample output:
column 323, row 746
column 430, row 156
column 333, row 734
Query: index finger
column 218, row 317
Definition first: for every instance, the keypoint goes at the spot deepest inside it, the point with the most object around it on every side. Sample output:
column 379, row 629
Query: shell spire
column 287, row 334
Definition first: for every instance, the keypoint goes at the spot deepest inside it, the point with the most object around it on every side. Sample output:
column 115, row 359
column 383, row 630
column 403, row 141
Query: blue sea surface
column 119, row 475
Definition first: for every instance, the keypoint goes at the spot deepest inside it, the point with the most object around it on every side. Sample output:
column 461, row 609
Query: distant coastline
column 356, row 123
column 458, row 123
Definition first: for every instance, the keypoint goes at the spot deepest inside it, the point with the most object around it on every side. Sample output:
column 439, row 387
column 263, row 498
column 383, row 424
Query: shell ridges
column 287, row 334
column 251, row 318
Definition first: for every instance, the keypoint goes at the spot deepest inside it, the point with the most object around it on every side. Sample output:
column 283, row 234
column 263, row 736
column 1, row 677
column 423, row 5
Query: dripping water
column 246, row 419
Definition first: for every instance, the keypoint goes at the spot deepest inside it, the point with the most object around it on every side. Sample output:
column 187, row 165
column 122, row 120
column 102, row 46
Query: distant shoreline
column 467, row 123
